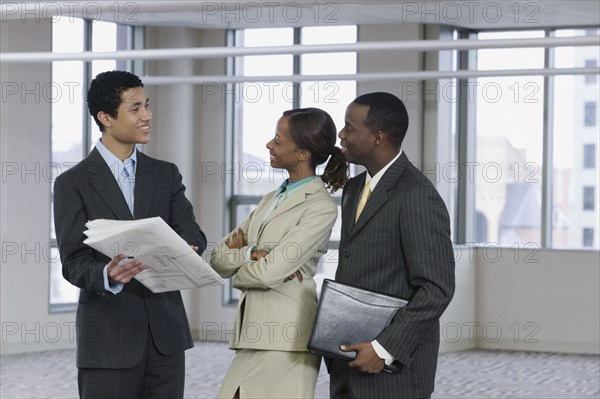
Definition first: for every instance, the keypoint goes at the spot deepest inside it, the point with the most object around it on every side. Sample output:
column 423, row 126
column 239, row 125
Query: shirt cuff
column 248, row 253
column 382, row 353
column 111, row 286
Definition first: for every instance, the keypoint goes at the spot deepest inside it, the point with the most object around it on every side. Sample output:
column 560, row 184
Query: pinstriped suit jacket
column 112, row 329
column 400, row 245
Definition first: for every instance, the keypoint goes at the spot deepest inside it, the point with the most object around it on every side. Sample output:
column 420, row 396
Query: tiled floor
column 471, row 374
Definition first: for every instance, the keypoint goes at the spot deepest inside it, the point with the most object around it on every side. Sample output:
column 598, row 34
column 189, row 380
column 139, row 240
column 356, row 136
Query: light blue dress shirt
column 124, row 174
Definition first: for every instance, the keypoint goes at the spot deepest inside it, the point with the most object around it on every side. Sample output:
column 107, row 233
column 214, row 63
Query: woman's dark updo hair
column 312, row 129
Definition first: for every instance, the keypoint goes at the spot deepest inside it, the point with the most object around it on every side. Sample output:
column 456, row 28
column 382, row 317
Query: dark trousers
column 338, row 381
column 155, row 376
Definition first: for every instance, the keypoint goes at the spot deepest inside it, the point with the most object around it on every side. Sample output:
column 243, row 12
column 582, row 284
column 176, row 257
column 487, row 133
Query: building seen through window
column 575, row 140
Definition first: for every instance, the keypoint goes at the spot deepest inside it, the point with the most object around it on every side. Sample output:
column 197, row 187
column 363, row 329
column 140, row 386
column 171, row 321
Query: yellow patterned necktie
column 366, row 193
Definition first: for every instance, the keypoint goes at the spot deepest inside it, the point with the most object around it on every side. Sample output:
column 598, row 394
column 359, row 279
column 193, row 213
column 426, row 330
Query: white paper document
column 171, row 264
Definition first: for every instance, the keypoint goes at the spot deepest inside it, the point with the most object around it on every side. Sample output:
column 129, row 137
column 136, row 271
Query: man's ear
column 378, row 137
column 104, row 118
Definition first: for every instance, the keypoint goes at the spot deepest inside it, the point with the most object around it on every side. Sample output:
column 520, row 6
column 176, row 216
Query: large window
column 73, row 131
column 67, row 136
column 532, row 141
column 573, row 134
column 535, row 142
column 258, row 105
column 508, row 129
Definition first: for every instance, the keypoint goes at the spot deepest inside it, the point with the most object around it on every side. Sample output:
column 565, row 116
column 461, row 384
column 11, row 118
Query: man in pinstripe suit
column 395, row 239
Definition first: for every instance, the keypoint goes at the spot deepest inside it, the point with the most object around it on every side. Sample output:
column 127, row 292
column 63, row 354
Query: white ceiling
column 474, row 14
column 486, row 14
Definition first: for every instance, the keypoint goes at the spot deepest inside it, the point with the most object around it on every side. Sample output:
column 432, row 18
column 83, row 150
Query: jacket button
column 347, row 254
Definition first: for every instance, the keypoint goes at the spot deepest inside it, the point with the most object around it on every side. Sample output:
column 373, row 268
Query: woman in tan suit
column 273, row 257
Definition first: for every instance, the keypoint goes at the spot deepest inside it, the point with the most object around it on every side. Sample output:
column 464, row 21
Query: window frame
column 466, row 221
column 128, row 36
column 587, row 239
column 589, row 156
column 591, row 79
column 590, row 118
column 588, row 198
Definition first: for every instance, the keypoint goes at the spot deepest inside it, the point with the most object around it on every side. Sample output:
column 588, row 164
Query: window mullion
column 87, row 78
column 296, row 70
column 466, row 149
column 547, row 153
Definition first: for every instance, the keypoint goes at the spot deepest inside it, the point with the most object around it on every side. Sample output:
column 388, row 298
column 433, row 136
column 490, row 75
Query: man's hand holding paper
column 122, row 270
column 162, row 260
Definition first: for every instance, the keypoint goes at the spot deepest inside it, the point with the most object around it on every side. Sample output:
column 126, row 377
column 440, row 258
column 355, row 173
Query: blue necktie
column 128, row 175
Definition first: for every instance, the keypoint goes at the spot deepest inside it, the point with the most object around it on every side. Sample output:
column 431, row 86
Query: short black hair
column 386, row 113
column 104, row 93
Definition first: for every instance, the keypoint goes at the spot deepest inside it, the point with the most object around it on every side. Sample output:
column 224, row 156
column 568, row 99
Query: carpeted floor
column 469, row 374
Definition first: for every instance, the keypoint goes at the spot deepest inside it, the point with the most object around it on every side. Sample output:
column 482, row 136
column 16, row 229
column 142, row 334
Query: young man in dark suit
column 130, row 341
column 395, row 239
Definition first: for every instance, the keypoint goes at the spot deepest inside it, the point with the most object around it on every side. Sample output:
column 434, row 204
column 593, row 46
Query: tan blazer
column 273, row 314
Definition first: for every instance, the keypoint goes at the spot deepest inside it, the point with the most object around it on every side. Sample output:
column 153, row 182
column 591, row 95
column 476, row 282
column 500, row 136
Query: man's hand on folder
column 366, row 359
column 123, row 272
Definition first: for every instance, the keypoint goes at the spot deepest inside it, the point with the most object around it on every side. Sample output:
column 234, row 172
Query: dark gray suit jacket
column 400, row 245
column 112, row 329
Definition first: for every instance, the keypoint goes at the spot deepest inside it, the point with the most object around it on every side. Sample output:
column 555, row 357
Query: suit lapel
column 380, row 195
column 295, row 199
column 146, row 174
column 259, row 215
column 101, row 177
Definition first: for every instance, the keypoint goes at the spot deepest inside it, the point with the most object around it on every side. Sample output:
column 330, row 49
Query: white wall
column 547, row 300
column 461, row 313
column 523, row 299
